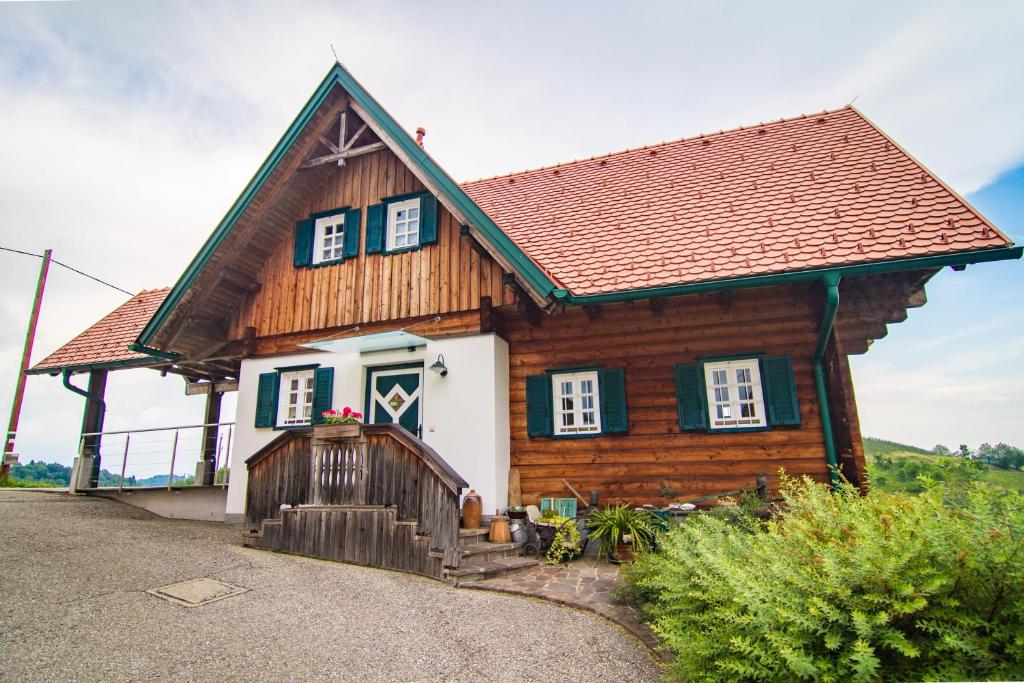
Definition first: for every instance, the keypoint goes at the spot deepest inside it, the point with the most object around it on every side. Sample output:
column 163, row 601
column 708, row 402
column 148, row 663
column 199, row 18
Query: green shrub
column 615, row 524
column 845, row 587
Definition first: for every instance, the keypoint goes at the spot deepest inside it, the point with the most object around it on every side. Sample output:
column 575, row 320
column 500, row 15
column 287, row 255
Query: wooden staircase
column 376, row 496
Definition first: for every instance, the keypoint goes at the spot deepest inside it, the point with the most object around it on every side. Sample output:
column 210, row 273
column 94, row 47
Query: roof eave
column 532, row 276
column 566, row 297
column 100, row 365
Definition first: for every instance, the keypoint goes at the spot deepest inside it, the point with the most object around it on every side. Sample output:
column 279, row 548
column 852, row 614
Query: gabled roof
column 105, row 344
column 814, row 192
column 504, row 250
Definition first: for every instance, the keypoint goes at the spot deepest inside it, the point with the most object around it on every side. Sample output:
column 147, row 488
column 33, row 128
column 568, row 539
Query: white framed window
column 295, row 400
column 735, row 398
column 577, row 403
column 328, row 238
column 403, row 224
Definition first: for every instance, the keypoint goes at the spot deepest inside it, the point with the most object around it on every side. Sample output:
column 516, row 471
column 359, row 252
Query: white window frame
column 337, row 238
column 394, row 224
column 579, row 410
column 303, row 396
column 726, row 402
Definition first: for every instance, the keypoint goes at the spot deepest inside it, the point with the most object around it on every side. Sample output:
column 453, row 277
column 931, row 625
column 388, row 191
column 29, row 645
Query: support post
column 26, row 355
column 206, row 468
column 92, row 422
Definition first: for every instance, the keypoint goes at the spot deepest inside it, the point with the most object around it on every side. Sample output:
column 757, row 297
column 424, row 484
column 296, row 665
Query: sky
column 128, row 129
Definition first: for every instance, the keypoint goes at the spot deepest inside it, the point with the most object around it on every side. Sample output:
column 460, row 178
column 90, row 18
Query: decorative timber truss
column 345, row 148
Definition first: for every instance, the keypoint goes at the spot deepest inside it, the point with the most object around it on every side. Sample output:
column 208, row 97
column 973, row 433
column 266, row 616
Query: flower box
column 327, row 431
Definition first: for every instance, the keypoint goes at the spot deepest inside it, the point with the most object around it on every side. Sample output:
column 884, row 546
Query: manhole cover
column 196, row 592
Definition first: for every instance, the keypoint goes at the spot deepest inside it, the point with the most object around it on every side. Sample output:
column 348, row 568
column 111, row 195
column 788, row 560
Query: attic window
column 404, row 224
column 329, row 238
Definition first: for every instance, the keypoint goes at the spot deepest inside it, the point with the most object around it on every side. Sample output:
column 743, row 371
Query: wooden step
column 476, row 571
column 475, row 552
column 467, row 536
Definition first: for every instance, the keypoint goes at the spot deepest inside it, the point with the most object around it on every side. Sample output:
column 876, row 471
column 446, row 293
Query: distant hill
column 874, row 447
column 54, row 474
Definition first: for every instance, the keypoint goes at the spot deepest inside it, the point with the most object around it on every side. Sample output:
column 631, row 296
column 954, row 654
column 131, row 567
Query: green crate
column 564, row 507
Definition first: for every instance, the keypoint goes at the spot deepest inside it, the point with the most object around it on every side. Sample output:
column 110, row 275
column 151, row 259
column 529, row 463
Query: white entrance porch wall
column 465, row 415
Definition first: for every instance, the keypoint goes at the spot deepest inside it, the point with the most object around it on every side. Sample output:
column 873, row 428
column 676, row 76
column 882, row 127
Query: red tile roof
column 107, row 341
column 810, row 192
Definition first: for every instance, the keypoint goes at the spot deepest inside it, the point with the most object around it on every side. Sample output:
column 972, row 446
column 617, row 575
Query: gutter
column 564, row 296
column 828, row 319
column 140, row 348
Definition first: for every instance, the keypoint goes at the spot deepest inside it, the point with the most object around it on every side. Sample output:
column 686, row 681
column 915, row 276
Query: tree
column 941, row 450
column 965, row 451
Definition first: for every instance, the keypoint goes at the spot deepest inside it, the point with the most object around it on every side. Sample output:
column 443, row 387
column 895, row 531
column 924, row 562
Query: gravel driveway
column 73, row 576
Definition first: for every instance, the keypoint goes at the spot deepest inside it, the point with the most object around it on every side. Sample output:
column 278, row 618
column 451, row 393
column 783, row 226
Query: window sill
column 332, row 262
column 288, row 428
column 591, row 435
column 737, row 430
column 401, row 250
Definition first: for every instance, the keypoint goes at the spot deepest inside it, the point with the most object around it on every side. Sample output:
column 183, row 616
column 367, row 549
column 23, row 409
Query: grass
column 13, row 483
column 896, row 467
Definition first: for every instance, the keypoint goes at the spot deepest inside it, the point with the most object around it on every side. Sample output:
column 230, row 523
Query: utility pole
column 19, row 391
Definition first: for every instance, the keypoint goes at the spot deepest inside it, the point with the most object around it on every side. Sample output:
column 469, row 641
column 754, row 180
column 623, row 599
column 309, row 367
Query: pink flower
column 357, row 416
column 346, row 412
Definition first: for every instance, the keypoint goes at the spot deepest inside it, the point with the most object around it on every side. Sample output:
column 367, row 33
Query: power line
column 74, row 270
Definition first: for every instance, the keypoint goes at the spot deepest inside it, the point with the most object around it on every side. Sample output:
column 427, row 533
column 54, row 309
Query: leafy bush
column 617, row 524
column 566, row 544
column 845, row 587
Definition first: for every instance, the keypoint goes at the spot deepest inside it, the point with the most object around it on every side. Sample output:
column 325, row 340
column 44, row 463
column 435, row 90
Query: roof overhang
column 367, row 343
column 534, row 281
column 564, row 296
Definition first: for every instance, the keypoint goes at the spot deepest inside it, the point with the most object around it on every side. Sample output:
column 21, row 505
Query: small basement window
column 329, row 238
column 577, row 408
column 295, row 401
column 403, row 227
column 735, row 398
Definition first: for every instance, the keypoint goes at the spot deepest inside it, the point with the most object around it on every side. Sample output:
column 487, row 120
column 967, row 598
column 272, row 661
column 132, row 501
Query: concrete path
column 73, row 606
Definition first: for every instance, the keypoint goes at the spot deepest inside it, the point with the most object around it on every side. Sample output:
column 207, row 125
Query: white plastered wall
column 465, row 415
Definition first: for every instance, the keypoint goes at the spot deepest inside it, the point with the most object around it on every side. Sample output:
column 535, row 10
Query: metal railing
column 158, row 450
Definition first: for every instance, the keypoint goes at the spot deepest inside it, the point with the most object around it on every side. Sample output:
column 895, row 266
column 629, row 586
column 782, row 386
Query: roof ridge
column 698, row 136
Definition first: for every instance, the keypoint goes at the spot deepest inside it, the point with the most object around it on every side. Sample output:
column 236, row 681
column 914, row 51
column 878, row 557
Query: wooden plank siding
column 440, row 278
column 655, row 456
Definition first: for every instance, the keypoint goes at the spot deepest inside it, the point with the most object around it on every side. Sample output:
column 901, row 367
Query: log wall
column 656, row 462
column 444, row 277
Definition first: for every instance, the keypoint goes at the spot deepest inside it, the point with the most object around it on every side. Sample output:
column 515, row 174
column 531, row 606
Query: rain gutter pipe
column 828, row 319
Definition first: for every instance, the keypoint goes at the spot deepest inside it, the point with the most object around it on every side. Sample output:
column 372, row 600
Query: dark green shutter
column 303, row 242
column 691, row 397
column 323, row 393
column 353, row 226
column 428, row 219
column 612, row 385
column 779, row 385
column 266, row 400
column 538, row 405
column 375, row 215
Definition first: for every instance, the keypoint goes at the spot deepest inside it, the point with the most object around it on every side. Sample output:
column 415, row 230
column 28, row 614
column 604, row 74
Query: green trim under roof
column 102, row 365
column 919, row 263
column 339, row 76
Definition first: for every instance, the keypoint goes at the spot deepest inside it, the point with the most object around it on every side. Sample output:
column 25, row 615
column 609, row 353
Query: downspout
column 828, row 319
column 66, row 378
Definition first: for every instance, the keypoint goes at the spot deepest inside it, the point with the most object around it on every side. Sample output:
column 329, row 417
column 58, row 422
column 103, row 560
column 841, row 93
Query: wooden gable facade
column 448, row 276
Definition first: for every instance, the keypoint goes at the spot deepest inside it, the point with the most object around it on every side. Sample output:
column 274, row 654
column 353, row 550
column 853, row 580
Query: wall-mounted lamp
column 439, row 367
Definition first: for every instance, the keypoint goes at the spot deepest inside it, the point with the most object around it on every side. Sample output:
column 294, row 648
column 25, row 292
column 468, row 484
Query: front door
column 395, row 394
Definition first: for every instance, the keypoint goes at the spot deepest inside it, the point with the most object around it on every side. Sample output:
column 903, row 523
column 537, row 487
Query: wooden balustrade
column 353, row 472
column 278, row 475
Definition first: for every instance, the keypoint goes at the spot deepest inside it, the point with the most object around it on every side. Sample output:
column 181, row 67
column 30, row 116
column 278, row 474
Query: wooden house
column 649, row 325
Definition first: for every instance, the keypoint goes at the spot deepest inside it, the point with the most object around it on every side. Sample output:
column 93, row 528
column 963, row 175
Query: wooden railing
column 376, row 465
column 278, row 475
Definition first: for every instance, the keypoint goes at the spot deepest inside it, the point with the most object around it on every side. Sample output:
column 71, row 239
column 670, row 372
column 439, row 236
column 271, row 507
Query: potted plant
column 622, row 530
column 516, row 512
column 344, row 424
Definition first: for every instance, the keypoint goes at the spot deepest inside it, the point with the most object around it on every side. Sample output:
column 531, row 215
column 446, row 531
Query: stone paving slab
column 586, row 584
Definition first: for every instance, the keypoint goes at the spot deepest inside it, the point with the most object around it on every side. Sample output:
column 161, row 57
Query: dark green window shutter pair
column 266, row 399
column 778, row 384
column 323, row 392
column 268, row 390
column 612, row 386
column 303, row 255
column 376, row 223
column 353, row 226
column 612, row 391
